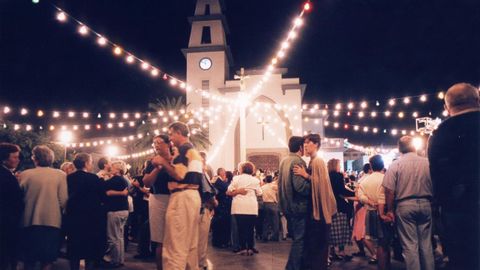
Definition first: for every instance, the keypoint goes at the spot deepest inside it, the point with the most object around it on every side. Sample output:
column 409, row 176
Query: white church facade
column 266, row 130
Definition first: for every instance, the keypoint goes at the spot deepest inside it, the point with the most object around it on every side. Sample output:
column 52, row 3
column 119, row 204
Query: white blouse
column 245, row 204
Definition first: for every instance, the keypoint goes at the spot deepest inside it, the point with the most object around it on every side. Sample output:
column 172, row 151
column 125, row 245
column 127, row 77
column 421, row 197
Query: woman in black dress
column 221, row 219
column 85, row 217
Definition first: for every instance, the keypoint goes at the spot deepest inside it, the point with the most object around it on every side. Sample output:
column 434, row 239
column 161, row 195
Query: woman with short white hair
column 67, row 167
column 45, row 198
column 117, row 212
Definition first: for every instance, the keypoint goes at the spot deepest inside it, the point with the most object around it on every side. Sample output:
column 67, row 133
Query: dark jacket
column 454, row 156
column 340, row 192
column 11, row 210
column 85, row 216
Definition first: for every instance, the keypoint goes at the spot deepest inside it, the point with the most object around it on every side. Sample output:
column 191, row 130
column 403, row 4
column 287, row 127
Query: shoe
column 359, row 254
column 347, row 258
column 112, row 265
column 236, row 250
column 255, row 250
column 372, row 261
column 336, row 257
column 242, row 252
column 250, row 252
column 141, row 256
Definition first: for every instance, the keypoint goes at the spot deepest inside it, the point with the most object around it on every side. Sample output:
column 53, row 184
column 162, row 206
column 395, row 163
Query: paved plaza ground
column 272, row 256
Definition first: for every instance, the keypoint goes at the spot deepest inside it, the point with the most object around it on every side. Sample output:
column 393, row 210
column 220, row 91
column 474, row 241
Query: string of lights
column 146, row 66
column 324, row 109
column 219, row 145
column 368, row 129
column 281, row 53
column 391, row 102
column 130, row 58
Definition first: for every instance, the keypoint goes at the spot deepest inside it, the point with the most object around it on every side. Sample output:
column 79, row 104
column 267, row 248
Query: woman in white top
column 245, row 188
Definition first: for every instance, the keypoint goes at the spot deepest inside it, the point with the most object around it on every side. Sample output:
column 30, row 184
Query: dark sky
column 349, row 49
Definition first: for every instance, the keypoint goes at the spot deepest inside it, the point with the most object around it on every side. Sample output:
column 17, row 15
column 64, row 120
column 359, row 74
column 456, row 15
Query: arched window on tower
column 206, row 35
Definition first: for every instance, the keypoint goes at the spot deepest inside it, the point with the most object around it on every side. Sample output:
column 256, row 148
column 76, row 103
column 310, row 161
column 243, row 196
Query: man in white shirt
column 378, row 226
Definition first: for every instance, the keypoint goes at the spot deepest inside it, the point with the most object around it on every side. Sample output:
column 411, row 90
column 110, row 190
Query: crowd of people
column 171, row 208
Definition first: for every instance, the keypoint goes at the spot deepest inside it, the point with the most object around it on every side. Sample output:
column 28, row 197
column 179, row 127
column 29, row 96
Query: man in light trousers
column 408, row 189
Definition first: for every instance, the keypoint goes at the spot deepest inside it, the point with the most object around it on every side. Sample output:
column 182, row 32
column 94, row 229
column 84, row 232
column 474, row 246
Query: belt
column 414, row 198
column 181, row 189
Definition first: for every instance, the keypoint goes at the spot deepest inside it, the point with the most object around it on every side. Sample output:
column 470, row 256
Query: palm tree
column 198, row 136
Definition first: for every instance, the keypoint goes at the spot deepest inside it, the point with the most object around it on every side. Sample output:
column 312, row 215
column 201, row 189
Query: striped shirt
column 189, row 166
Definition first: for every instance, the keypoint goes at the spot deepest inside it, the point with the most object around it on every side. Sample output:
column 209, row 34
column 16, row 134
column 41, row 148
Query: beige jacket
column 324, row 204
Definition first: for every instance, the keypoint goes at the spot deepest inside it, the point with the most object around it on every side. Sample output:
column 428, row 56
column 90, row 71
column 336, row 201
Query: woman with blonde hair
column 67, row 167
column 117, row 212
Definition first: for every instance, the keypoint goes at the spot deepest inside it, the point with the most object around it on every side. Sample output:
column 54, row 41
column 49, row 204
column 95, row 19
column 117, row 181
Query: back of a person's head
column 102, row 162
column 268, row 179
column 43, row 155
column 81, row 160
column 247, row 168
column 295, row 143
column 333, row 165
column 462, row 96
column 120, row 165
column 367, row 167
column 405, row 144
column 377, row 163
column 180, row 128
column 229, row 175
column 66, row 166
column 6, row 149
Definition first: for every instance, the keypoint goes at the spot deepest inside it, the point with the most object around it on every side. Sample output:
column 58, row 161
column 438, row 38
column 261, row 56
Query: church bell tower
column 208, row 56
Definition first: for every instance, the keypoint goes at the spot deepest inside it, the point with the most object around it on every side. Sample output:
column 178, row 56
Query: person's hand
column 390, row 215
column 117, row 193
column 159, row 161
column 371, row 203
column 241, row 191
column 136, row 183
column 386, row 219
column 300, row 170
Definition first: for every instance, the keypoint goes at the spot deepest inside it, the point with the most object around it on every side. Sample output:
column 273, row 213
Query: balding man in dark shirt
column 454, row 155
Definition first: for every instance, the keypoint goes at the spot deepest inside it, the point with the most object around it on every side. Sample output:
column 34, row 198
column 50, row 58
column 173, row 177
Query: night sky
column 349, row 49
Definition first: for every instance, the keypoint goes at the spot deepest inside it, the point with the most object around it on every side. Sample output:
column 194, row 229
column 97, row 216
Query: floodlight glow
column 65, row 136
column 111, row 150
column 417, row 143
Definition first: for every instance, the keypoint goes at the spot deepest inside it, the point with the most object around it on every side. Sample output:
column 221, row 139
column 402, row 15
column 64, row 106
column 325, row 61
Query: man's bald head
column 405, row 145
column 461, row 97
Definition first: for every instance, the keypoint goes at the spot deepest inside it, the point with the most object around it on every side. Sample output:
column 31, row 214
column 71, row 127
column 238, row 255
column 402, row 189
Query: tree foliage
column 27, row 140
